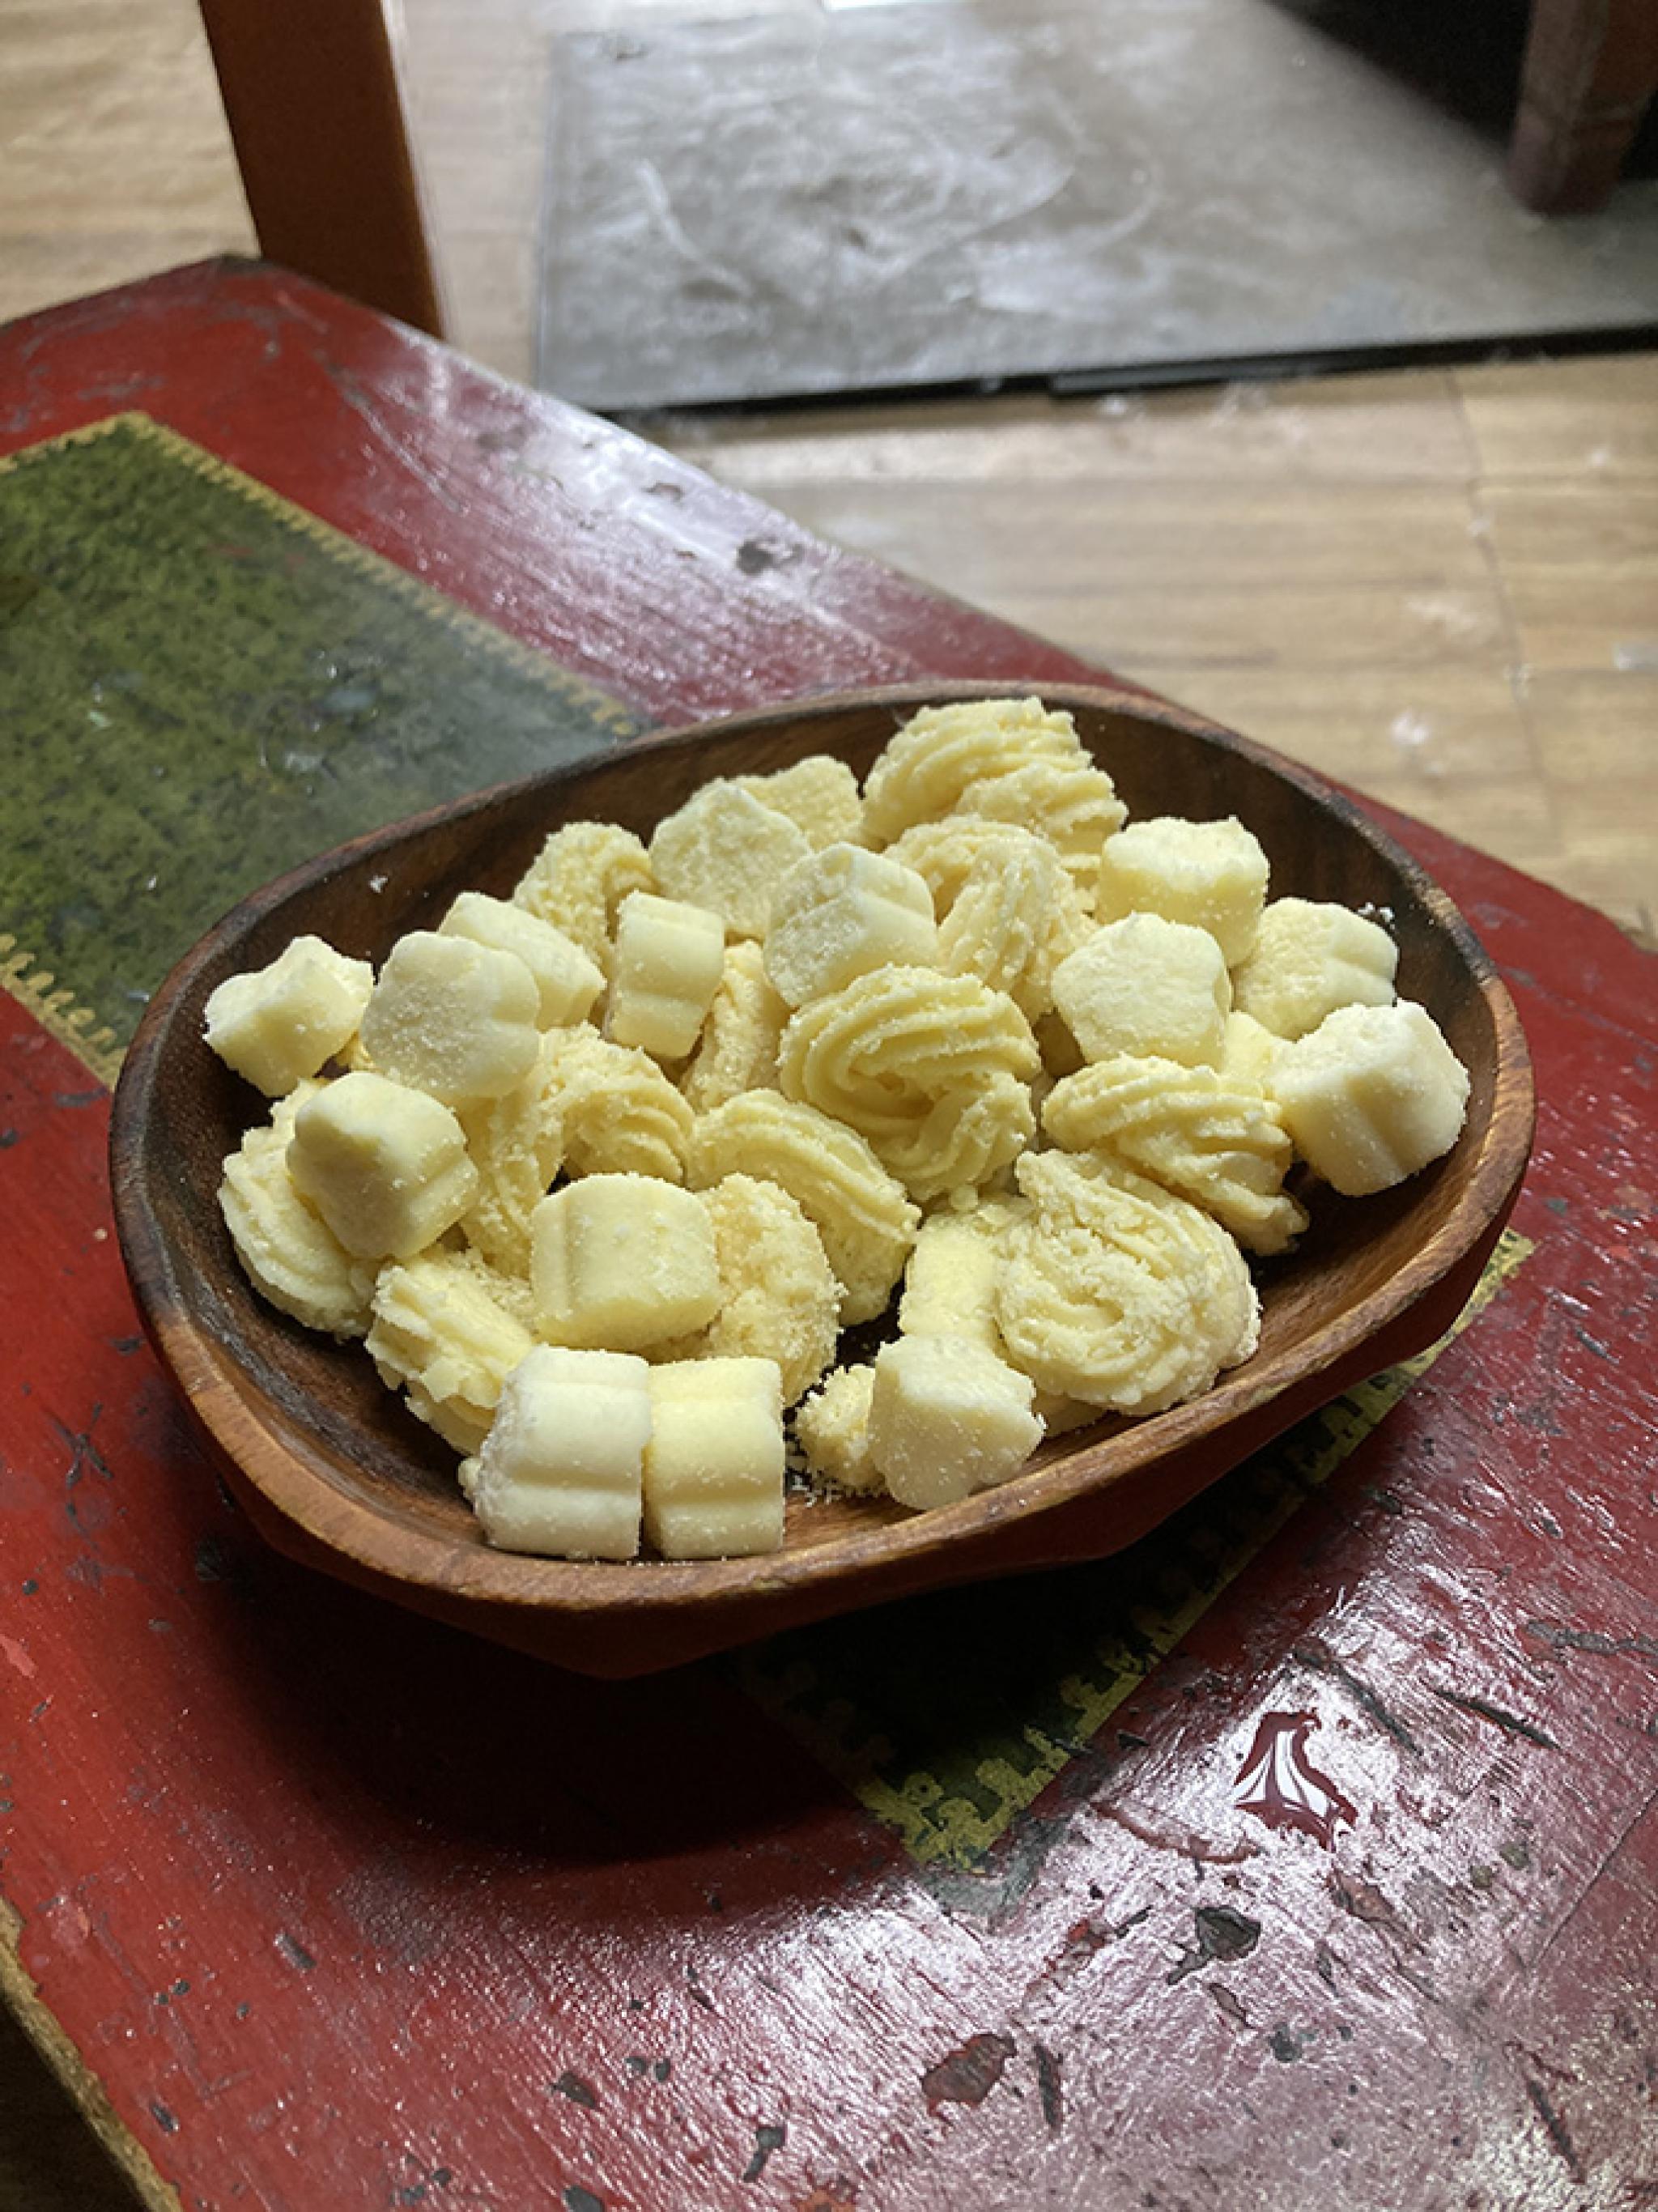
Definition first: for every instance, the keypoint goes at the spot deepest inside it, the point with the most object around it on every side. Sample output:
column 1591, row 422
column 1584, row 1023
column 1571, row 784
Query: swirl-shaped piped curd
column 1117, row 1293
column 1204, row 1137
column 866, row 1221
column 1016, row 915
column 1071, row 803
column 933, row 1069
column 439, row 1333
column 923, row 770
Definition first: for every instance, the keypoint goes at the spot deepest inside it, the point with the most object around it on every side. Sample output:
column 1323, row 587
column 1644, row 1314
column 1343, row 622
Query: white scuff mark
column 1480, row 526
column 1601, row 457
column 1445, row 616
column 378, row 882
column 17, row 1658
column 1413, row 733
column 1117, row 404
column 1635, row 654
column 99, row 721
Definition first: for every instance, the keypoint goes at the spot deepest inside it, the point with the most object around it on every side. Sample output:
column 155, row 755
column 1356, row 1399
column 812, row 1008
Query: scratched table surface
column 1307, row 1855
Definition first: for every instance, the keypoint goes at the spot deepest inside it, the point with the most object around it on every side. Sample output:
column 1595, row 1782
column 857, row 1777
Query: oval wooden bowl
column 335, row 1473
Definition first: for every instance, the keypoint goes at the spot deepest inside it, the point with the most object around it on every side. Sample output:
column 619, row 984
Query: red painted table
column 1308, row 1858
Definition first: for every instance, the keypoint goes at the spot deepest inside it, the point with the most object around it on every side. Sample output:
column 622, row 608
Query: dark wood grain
column 335, row 1474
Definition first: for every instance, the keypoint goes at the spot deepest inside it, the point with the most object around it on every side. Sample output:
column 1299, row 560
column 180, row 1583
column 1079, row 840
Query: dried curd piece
column 713, row 1466
column 665, row 970
column 289, row 1254
column 621, row 1262
column 947, row 1417
column 863, row 1216
column 278, row 1025
column 924, row 769
column 567, row 982
column 385, row 1166
column 1211, row 874
column 1246, row 1051
column 842, row 913
column 1373, row 1095
column 942, row 852
column 1071, row 803
column 1117, row 1293
column 949, row 1281
column 1147, row 986
column 454, row 1017
column 618, row 1113
column 778, row 1299
column 438, row 1333
column 562, row 1469
column 1015, row 917
column 1220, row 1144
column 933, row 1069
column 738, row 1050
column 820, row 796
column 1308, row 959
column 949, row 1290
column 832, row 1429
column 601, row 1108
column 727, row 850
column 579, row 878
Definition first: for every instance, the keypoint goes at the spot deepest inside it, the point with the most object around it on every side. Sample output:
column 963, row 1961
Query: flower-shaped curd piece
column 1117, row 1293
column 933, row 1069
column 1219, row 1143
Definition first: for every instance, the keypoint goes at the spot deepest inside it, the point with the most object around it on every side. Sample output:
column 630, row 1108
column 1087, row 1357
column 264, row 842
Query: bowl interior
column 314, row 1411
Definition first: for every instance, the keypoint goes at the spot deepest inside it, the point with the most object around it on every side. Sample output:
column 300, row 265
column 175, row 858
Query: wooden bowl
column 335, row 1473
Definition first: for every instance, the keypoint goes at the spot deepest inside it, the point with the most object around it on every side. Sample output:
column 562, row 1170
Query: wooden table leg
column 311, row 91
column 1591, row 67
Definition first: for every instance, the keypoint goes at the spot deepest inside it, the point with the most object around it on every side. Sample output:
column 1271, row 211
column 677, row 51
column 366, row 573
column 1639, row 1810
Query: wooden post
column 1591, row 67
column 311, row 93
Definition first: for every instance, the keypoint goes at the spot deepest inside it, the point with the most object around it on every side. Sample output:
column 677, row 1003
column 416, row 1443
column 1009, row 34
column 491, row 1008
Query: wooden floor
column 1440, row 586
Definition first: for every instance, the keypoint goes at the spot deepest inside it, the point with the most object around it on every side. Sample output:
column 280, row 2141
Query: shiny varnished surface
column 302, row 1884
column 329, row 1466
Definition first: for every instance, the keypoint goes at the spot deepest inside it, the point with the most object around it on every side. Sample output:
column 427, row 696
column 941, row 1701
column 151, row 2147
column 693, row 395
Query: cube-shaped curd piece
column 842, row 913
column 949, row 1282
column 1310, row 957
column 453, row 1018
column 621, row 1261
column 386, row 1166
column 1211, row 874
column 1146, row 986
column 948, row 1417
column 727, row 850
column 567, row 982
column 276, row 1025
column 1372, row 1095
column 713, row 1466
column 664, row 973
column 562, row 1469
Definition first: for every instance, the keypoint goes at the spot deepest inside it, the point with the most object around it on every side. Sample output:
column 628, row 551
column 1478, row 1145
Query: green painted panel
column 200, row 686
